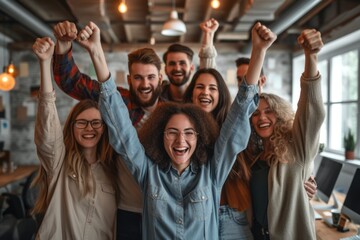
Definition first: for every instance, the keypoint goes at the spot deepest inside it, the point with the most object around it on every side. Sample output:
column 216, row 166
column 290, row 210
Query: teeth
column 205, row 100
column 263, row 125
column 89, row 136
column 146, row 91
column 181, row 150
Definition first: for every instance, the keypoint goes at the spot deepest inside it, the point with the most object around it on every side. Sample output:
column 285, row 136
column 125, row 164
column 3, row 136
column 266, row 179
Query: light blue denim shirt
column 179, row 206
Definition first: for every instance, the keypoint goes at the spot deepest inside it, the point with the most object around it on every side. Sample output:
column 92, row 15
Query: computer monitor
column 326, row 177
column 351, row 206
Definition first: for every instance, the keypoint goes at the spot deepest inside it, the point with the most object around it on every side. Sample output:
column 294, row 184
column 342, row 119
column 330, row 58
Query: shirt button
column 74, row 176
column 179, row 221
column 202, row 197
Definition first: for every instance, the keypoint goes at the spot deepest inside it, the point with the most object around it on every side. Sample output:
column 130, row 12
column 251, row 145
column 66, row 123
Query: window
column 342, row 102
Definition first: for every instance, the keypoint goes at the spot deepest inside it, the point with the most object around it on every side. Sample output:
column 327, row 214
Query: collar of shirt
column 193, row 168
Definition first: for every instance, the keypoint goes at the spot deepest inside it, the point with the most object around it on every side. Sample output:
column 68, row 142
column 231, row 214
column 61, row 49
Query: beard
column 184, row 80
column 154, row 97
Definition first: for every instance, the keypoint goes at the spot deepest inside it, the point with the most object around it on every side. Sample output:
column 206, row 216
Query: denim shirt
column 179, row 206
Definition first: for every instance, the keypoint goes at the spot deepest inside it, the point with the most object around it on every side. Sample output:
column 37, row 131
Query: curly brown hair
column 151, row 134
column 282, row 134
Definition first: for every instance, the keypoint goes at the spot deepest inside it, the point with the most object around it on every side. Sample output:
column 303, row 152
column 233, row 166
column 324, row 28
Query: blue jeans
column 233, row 224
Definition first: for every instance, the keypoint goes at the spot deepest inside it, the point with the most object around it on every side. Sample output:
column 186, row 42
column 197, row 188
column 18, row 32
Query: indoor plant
column 349, row 145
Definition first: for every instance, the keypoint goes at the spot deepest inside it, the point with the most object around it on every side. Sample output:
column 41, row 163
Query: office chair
column 29, row 194
column 14, row 224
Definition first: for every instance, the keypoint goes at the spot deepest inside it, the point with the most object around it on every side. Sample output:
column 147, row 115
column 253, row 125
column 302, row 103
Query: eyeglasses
column 82, row 123
column 172, row 134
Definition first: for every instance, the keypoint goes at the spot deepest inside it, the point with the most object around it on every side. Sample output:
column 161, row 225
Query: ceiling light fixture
column 7, row 81
column 215, row 4
column 122, row 7
column 173, row 26
column 11, row 69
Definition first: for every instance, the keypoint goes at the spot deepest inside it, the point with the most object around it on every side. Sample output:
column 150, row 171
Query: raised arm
column 235, row 131
column 262, row 38
column 89, row 38
column 43, row 49
column 310, row 41
column 48, row 133
column 310, row 112
column 66, row 73
column 208, row 52
column 122, row 135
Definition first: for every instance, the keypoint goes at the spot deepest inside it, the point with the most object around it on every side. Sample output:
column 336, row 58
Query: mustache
column 145, row 88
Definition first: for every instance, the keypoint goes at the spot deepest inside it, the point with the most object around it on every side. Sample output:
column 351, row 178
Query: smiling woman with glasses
column 78, row 167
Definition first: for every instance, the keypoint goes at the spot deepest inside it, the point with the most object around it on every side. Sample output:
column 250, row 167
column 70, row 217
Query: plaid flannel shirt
column 80, row 86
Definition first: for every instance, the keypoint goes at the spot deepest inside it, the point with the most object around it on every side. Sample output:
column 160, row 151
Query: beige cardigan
column 290, row 214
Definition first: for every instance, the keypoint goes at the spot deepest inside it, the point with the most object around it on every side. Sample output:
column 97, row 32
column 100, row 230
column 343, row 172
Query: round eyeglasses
column 172, row 134
column 82, row 123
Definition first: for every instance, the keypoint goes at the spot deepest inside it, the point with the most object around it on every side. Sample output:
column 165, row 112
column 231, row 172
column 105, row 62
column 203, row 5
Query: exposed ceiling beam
column 292, row 14
column 28, row 19
column 25, row 17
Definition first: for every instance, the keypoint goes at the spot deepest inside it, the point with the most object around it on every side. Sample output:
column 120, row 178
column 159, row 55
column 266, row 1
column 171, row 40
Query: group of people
column 177, row 158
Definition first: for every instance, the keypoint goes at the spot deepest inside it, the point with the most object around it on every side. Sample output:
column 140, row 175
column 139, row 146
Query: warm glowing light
column 11, row 69
column 152, row 40
column 122, row 7
column 215, row 4
column 7, row 82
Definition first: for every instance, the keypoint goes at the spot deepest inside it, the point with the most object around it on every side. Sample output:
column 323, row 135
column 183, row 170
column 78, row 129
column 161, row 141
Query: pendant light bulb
column 11, row 69
column 122, row 7
column 215, row 4
column 7, row 82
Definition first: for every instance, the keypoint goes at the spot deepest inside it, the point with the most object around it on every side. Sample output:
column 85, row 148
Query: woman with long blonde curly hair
column 281, row 152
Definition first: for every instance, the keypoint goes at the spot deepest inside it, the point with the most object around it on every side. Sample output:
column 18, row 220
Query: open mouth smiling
column 89, row 136
column 180, row 150
column 264, row 125
column 205, row 101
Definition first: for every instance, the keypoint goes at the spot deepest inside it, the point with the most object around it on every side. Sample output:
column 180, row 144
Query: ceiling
column 24, row 20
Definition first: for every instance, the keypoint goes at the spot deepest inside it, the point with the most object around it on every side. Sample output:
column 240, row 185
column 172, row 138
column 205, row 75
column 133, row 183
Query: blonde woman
column 78, row 169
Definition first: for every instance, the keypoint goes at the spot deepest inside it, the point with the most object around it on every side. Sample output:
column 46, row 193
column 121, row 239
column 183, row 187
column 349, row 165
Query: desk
column 323, row 231
column 20, row 173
